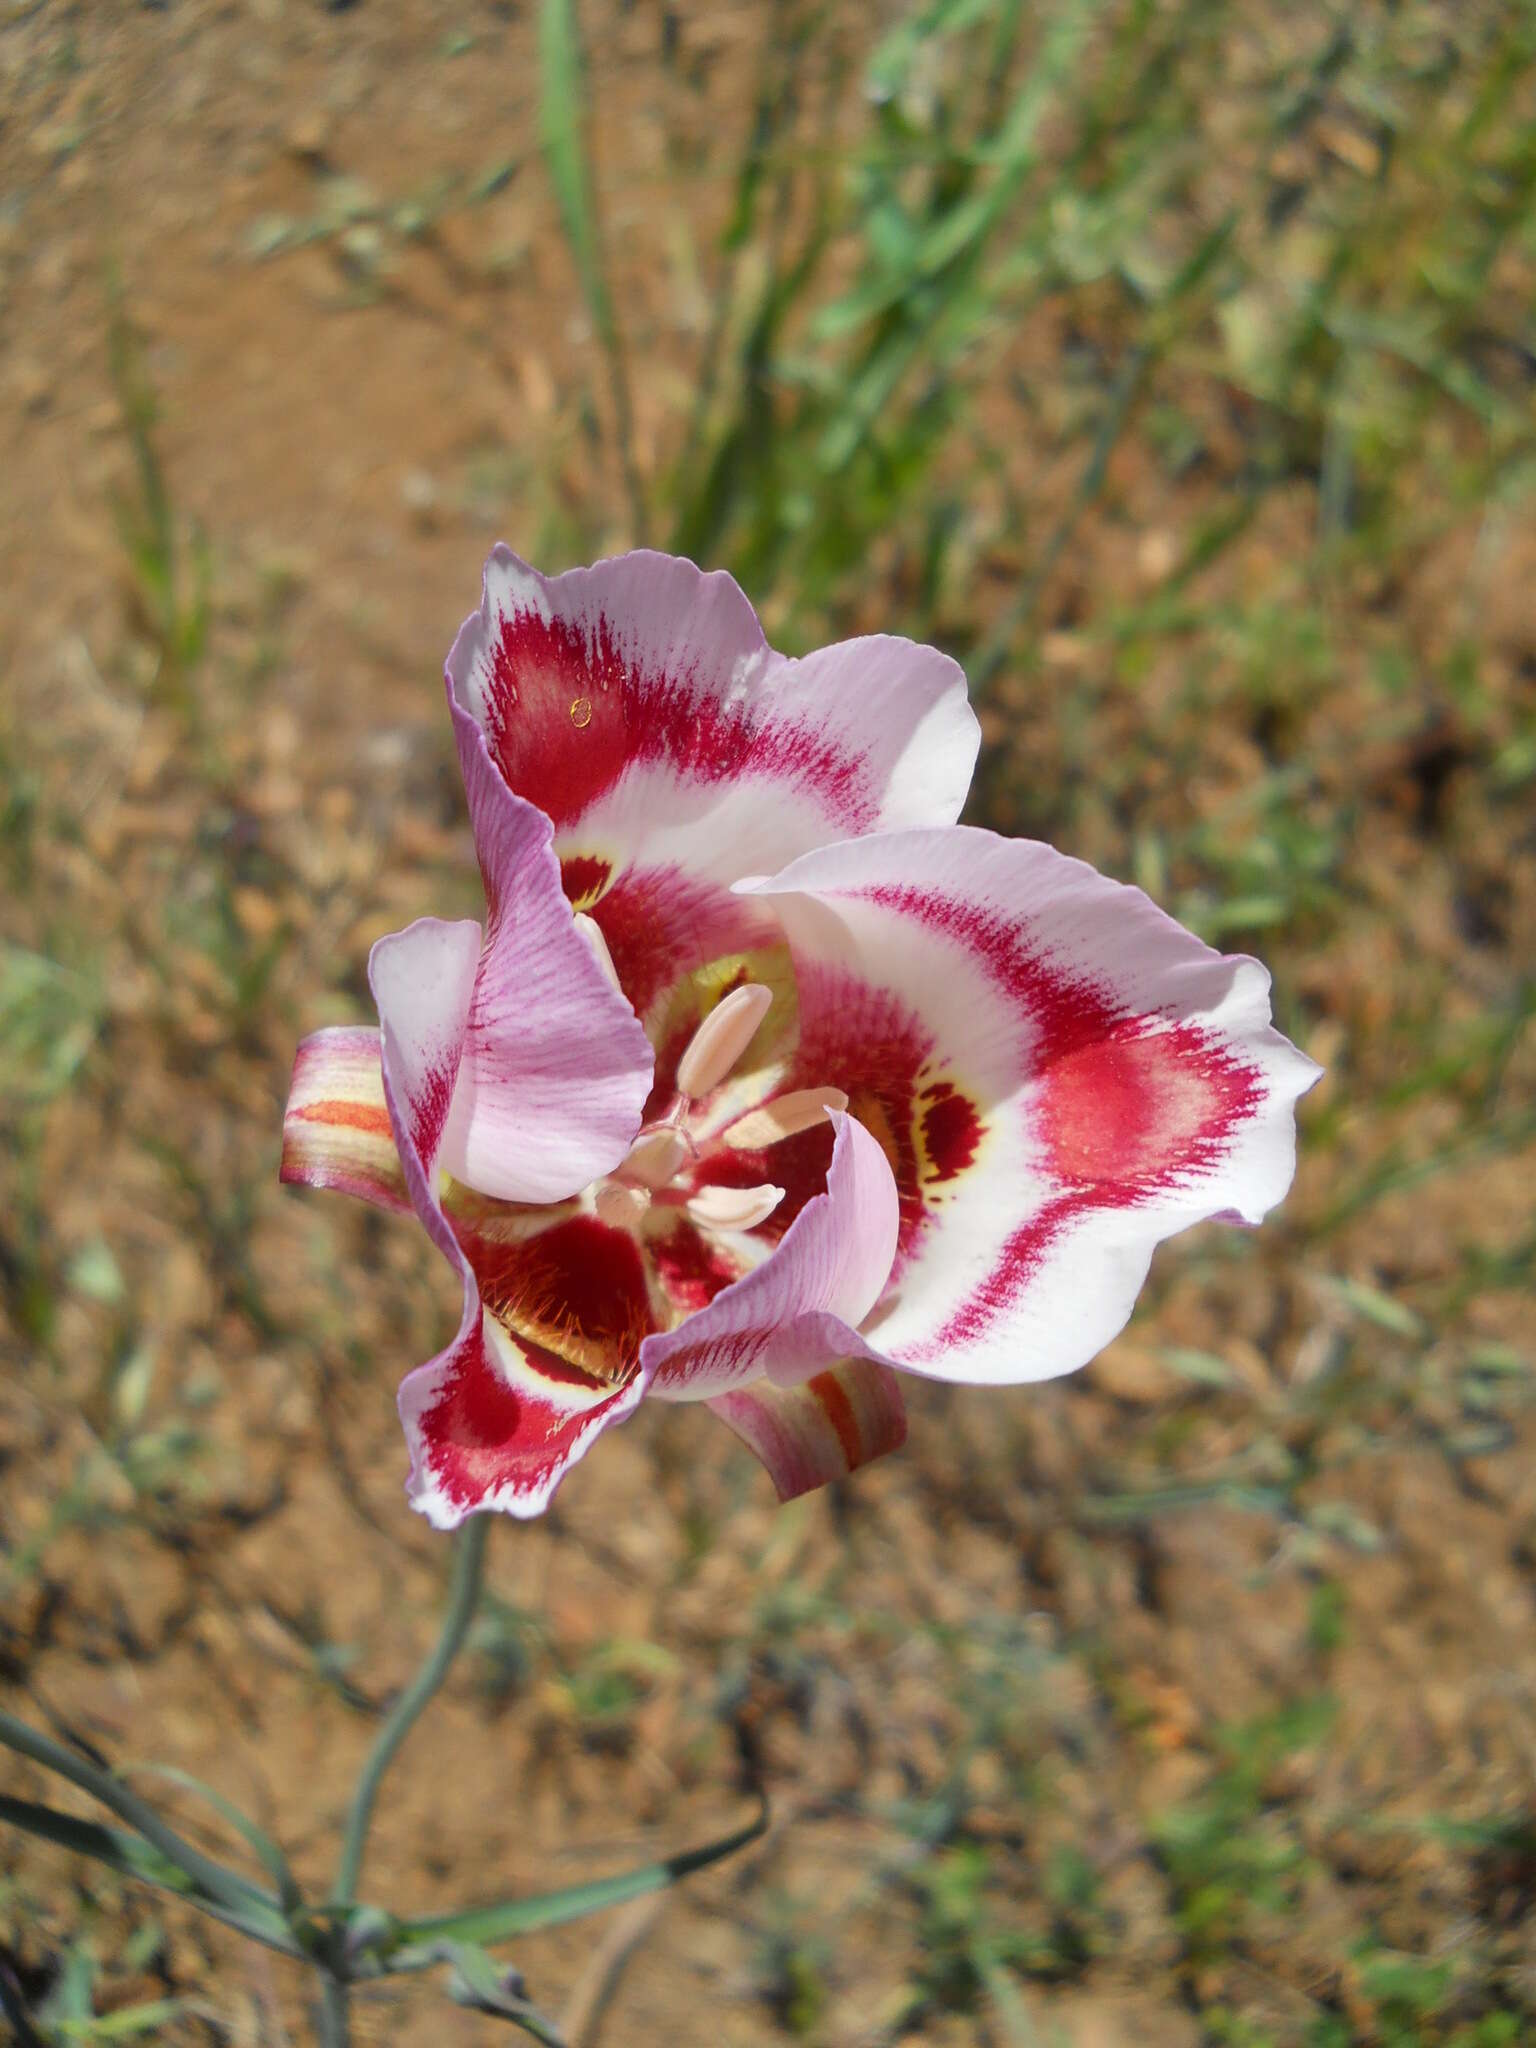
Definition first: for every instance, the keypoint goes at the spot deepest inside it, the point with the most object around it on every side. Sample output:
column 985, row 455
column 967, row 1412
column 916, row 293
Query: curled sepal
column 484, row 1985
column 821, row 1429
column 336, row 1130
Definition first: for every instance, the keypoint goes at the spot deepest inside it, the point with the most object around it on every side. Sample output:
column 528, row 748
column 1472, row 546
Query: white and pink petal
column 639, row 705
column 495, row 1425
column 1062, row 1077
column 639, row 698
column 492, row 1421
column 556, row 1066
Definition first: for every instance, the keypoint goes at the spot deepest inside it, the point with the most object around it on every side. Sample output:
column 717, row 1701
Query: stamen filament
column 656, row 1156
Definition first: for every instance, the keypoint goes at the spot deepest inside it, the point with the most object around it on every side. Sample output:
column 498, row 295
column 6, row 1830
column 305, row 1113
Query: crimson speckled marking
column 576, row 1277
column 428, row 1108
column 691, row 1270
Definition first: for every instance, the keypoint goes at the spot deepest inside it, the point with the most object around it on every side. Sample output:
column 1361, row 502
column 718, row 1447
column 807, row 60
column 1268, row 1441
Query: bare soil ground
column 1183, row 1702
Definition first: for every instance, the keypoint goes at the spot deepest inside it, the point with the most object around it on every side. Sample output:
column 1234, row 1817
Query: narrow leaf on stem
column 131, row 1857
column 482, row 1925
column 234, row 1893
column 266, row 1850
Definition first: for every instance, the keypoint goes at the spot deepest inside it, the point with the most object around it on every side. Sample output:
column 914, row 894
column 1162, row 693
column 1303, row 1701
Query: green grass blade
column 562, row 130
column 953, row 243
column 126, row 2022
column 123, row 1851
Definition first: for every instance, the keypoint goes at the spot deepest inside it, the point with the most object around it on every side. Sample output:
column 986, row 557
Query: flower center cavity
column 669, row 1162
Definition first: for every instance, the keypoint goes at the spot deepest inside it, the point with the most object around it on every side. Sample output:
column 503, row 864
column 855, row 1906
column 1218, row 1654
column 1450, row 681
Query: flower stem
column 463, row 1596
column 335, row 2029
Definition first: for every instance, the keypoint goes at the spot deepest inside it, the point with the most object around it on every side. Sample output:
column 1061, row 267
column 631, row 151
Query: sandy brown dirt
column 995, row 1637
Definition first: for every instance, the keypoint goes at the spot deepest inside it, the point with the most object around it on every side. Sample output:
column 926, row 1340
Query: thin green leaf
column 894, row 55
column 235, row 1893
column 481, row 1925
column 1383, row 1310
column 1007, row 2000
column 132, row 1857
column 124, row 2023
column 1204, row 1367
column 1122, row 1510
column 950, row 245
column 271, row 1857
column 560, row 126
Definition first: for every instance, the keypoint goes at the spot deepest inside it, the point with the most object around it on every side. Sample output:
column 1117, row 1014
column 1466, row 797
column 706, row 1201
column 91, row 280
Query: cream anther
column 656, row 1156
column 722, row 1038
column 785, row 1117
column 592, row 932
column 722, row 1208
column 620, row 1207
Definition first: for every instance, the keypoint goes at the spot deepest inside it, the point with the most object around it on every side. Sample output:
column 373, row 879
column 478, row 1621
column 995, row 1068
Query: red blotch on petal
column 1118, row 1101
column 482, row 1436
column 584, row 877
column 1124, row 1120
column 951, row 1131
column 566, row 714
column 555, row 720
column 1140, row 1106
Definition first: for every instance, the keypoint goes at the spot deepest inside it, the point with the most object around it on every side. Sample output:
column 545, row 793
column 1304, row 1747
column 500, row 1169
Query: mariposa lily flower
column 765, row 1081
